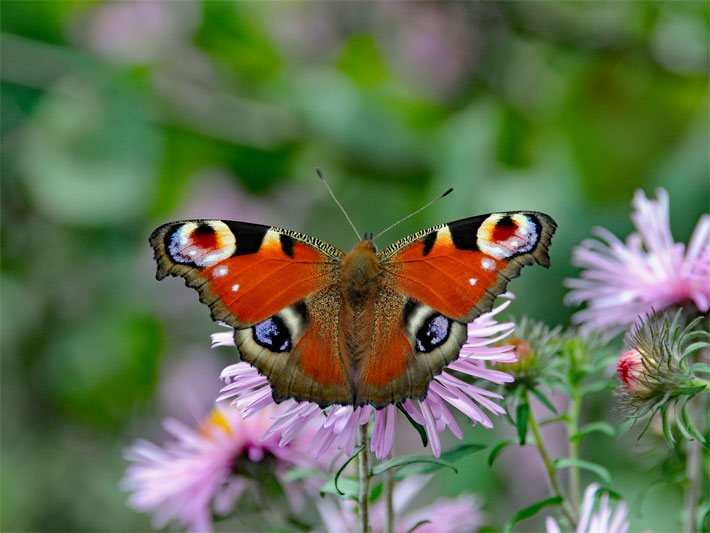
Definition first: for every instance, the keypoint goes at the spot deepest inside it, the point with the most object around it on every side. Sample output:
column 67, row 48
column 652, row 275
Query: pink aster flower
column 197, row 473
column 337, row 425
column 646, row 274
column 596, row 519
column 446, row 515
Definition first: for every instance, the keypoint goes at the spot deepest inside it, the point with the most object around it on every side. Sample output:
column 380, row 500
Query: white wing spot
column 221, row 271
column 192, row 253
column 473, row 281
column 488, row 264
column 515, row 243
column 235, row 287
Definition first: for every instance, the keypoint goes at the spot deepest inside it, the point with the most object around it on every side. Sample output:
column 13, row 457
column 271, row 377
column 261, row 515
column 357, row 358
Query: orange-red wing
column 244, row 272
column 459, row 268
column 297, row 350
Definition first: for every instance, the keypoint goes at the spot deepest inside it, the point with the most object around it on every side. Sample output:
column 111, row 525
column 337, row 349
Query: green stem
column 554, row 485
column 693, row 468
column 364, row 478
column 575, row 408
column 389, row 499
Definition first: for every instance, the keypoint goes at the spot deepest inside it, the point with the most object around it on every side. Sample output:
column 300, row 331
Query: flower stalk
column 575, row 408
column 364, row 479
column 554, row 485
column 693, row 473
column 389, row 501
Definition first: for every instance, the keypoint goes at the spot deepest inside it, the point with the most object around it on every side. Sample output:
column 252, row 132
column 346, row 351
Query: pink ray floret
column 192, row 476
column 337, row 425
column 649, row 272
column 445, row 515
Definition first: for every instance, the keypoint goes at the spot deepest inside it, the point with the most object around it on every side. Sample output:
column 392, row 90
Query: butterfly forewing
column 461, row 267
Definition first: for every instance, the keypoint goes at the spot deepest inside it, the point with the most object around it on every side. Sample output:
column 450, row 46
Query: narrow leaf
column 667, row 430
column 531, row 510
column 544, row 400
column 691, row 391
column 561, row 418
column 694, row 347
column 347, row 488
column 599, row 427
column 416, row 425
column 497, row 449
column 521, row 421
column 415, row 526
column 680, row 424
column 700, row 367
column 399, row 462
column 689, row 423
column 462, row 451
column 428, row 465
column 342, row 468
column 376, row 493
column 566, row 462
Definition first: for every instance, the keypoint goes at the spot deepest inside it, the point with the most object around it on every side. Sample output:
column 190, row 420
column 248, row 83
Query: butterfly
column 363, row 327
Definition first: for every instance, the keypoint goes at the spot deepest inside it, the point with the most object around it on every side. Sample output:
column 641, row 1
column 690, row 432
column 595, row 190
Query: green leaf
column 398, row 462
column 599, row 427
column 427, row 466
column 531, row 510
column 691, row 391
column 560, row 418
column 347, row 488
column 688, row 422
column 376, row 492
column 543, row 400
column 416, row 425
column 566, row 462
column 462, row 451
column 415, row 526
column 700, row 367
column 693, row 348
column 521, row 421
column 681, row 425
column 342, row 468
column 667, row 430
column 497, row 449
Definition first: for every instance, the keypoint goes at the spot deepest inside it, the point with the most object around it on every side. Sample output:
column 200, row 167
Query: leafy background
column 117, row 117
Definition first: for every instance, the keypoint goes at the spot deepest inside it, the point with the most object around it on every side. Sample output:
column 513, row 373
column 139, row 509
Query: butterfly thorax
column 360, row 276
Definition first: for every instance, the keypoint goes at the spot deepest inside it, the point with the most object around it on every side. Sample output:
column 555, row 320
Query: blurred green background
column 117, row 117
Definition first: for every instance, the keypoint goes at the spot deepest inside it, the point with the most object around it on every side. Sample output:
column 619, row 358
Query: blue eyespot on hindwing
column 272, row 334
column 433, row 333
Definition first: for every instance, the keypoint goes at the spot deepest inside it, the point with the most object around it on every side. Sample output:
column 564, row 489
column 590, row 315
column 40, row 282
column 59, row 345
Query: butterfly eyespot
column 433, row 333
column 201, row 244
column 272, row 334
column 505, row 235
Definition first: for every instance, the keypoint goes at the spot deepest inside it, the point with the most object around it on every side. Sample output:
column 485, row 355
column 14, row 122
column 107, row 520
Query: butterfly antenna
column 415, row 212
column 320, row 175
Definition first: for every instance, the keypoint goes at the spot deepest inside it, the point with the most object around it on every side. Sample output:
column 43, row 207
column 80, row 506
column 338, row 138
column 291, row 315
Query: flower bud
column 630, row 369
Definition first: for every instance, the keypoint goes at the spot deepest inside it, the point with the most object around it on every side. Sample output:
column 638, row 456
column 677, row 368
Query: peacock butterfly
column 365, row 327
